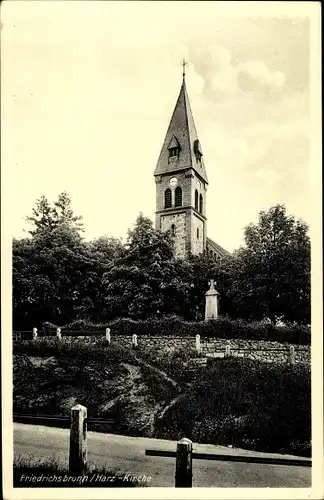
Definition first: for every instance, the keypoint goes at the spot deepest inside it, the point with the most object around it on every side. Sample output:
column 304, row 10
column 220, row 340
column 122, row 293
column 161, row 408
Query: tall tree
column 271, row 272
column 100, row 255
column 42, row 218
column 64, row 215
column 145, row 280
column 48, row 269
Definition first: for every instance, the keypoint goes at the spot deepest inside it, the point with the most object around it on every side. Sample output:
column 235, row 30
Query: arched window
column 196, row 200
column 211, row 253
column 201, row 204
column 198, row 233
column 178, row 197
column 167, row 198
column 173, row 230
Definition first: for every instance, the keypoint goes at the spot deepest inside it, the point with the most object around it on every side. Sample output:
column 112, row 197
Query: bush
column 246, row 403
column 223, row 327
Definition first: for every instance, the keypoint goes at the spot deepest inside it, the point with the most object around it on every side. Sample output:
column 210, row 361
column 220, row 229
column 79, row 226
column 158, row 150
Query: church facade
column 181, row 185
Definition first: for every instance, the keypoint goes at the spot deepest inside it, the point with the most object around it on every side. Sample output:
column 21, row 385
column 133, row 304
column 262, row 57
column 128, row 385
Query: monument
column 211, row 309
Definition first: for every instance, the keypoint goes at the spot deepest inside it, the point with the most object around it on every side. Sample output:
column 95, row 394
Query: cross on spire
column 184, row 63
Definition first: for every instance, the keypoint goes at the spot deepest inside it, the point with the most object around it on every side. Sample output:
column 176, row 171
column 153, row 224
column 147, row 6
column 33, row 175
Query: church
column 181, row 185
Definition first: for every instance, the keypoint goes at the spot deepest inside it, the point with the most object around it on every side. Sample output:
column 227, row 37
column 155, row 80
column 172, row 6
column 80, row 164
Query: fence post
column 78, row 441
column 198, row 344
column 292, row 355
column 34, row 333
column 227, row 351
column 58, row 333
column 108, row 335
column 134, row 340
column 183, row 477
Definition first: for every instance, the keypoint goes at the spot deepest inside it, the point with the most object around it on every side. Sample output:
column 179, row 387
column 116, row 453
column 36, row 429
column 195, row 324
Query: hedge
column 222, row 327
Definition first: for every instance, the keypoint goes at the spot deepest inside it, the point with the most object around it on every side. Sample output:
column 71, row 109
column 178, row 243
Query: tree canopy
column 270, row 275
column 60, row 277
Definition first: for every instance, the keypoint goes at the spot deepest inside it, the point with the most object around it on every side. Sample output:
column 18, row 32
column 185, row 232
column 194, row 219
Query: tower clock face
column 173, row 182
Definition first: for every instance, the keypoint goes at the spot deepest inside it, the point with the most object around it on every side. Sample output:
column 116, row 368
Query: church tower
column 181, row 182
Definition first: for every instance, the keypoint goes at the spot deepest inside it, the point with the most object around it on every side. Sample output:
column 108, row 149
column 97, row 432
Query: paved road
column 127, row 454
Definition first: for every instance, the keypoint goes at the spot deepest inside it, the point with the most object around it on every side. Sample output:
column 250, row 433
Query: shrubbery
column 247, row 404
column 223, row 327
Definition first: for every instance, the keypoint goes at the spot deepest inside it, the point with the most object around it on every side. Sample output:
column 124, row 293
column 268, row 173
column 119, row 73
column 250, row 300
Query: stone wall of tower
column 181, row 228
column 185, row 219
column 197, row 235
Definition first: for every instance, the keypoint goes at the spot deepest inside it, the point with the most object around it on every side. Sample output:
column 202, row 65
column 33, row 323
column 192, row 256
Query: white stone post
column 198, row 349
column 211, row 309
column 134, row 340
column 34, row 333
column 58, row 333
column 78, row 441
column 183, row 477
column 292, row 357
column 227, row 351
column 108, row 335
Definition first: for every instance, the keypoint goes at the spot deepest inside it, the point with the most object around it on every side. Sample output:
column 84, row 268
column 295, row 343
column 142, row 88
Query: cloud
column 222, row 74
column 255, row 75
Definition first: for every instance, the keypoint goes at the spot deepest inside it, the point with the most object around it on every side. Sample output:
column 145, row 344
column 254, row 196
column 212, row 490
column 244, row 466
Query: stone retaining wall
column 218, row 348
column 215, row 348
column 263, row 350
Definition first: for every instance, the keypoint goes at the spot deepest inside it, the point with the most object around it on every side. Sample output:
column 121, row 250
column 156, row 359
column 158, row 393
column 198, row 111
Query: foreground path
column 127, row 454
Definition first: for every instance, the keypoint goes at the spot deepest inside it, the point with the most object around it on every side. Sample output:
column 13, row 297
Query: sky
column 89, row 89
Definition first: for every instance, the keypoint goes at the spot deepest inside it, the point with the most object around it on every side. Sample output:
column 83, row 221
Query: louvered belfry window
column 167, row 198
column 178, row 197
column 196, row 200
column 201, row 204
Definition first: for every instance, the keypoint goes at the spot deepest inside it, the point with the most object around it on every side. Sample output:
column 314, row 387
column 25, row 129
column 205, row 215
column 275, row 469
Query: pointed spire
column 182, row 131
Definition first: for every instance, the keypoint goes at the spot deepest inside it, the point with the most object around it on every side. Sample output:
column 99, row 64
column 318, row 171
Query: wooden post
column 198, row 344
column 292, row 355
column 108, row 335
column 58, row 333
column 34, row 333
column 134, row 340
column 183, row 477
column 78, row 441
